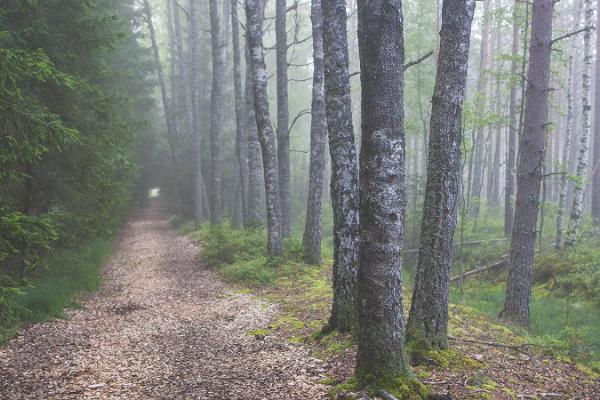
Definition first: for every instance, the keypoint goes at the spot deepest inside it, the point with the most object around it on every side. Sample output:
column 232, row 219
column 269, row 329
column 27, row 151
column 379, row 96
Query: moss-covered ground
column 486, row 360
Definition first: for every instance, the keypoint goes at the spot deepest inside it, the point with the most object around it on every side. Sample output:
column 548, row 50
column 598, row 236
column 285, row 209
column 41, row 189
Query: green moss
column 348, row 386
column 260, row 333
column 401, row 387
column 421, row 354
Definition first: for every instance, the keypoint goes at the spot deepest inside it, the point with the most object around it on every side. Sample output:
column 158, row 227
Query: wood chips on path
column 161, row 327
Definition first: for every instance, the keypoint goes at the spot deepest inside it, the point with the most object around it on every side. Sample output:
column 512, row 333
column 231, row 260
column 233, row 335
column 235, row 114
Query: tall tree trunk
column 582, row 162
column 344, row 164
column 241, row 144
column 564, row 168
column 183, row 71
column 380, row 326
column 171, row 132
column 254, row 16
column 428, row 319
column 217, row 106
column 318, row 136
column 283, row 115
column 596, row 159
column 529, row 169
column 199, row 186
column 479, row 144
column 255, row 179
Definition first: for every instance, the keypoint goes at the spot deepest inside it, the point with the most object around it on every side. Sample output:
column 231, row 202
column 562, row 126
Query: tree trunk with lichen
column 584, row 147
column 283, row 115
column 380, row 328
column 254, row 16
column 428, row 320
column 344, row 165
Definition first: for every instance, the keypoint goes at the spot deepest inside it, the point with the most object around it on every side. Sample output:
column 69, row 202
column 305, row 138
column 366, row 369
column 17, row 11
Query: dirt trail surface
column 161, row 327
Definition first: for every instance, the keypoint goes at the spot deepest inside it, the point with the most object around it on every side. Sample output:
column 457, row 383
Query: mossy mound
column 445, row 359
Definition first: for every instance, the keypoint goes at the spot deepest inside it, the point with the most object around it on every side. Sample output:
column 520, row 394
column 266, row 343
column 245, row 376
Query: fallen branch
column 479, row 270
column 456, row 244
column 519, row 347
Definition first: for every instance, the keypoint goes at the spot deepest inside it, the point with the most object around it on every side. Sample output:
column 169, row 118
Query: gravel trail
column 161, row 327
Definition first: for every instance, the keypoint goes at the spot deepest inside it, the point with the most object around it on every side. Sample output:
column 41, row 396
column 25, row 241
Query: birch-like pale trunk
column 241, row 144
column 529, row 169
column 428, row 319
column 380, row 327
column 255, row 178
column 344, row 164
column 318, row 135
column 254, row 16
column 564, row 167
column 584, row 146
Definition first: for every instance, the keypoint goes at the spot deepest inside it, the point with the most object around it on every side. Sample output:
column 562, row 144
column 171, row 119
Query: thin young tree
column 199, row 185
column 344, row 164
column 254, row 16
column 380, row 327
column 217, row 109
column 564, row 167
column 513, row 132
column 584, row 146
column 318, row 135
column 283, row 114
column 171, row 131
column 529, row 168
column 241, row 143
column 428, row 318
column 479, row 139
column 255, row 180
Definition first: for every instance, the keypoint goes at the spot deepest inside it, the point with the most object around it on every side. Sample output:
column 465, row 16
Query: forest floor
column 161, row 327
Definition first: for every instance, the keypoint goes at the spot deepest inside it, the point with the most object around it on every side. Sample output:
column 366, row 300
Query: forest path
column 161, row 327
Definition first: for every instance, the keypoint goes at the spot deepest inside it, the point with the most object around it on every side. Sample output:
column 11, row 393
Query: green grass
column 568, row 325
column 68, row 274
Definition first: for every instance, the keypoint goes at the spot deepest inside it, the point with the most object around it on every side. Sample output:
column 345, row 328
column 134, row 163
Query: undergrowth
column 52, row 288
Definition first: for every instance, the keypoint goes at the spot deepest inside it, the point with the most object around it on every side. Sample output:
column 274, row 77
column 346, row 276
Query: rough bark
column 255, row 179
column 318, row 136
column 529, row 169
column 217, row 108
column 564, row 168
column 344, row 165
column 254, row 15
column 596, row 159
column 241, row 145
column 584, row 146
column 513, row 132
column 283, row 115
column 428, row 319
column 380, row 326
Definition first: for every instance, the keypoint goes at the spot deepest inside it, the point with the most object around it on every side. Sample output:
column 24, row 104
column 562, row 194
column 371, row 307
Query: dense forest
column 387, row 199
